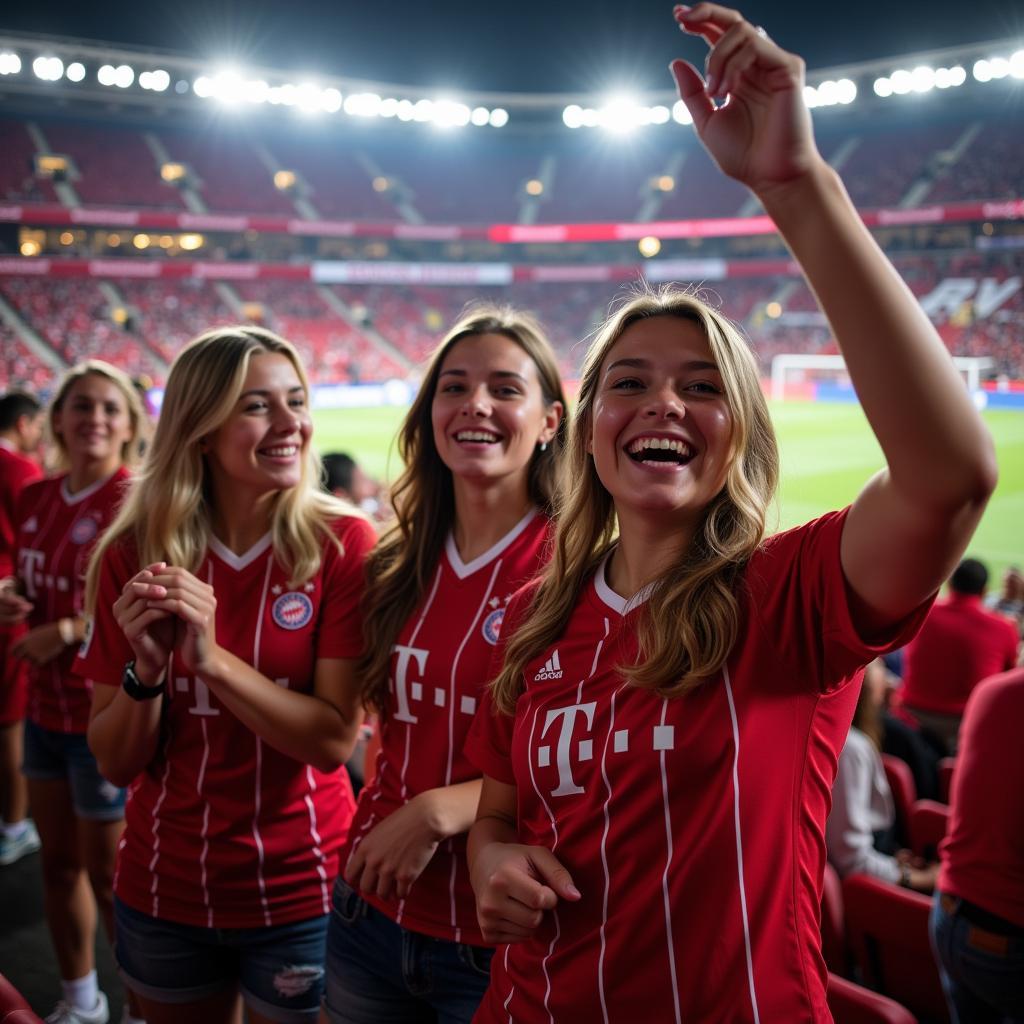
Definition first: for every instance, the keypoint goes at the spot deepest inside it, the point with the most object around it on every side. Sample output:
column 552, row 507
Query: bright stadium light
column 49, row 69
column 811, row 97
column 389, row 107
column 883, row 87
column 330, row 100
column 123, row 76
column 450, row 114
column 498, row 118
column 590, row 117
column 902, row 82
column 406, row 110
column 619, row 115
column 363, row 104
column 479, row 117
column 846, row 91
column 202, row 86
column 999, row 66
column 10, row 63
column 423, row 110
column 649, row 246
column 680, row 114
column 922, row 79
column 660, row 114
column 257, row 91
column 982, row 71
column 572, row 116
column 1017, row 64
column 949, row 78
column 75, row 72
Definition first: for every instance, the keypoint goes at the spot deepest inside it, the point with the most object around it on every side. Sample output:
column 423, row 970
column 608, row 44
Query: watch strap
column 136, row 688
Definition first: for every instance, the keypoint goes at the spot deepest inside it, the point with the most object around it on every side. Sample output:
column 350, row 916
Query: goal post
column 971, row 367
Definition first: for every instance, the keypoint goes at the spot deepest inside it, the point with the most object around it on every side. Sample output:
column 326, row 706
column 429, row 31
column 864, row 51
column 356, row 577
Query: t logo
column 31, row 569
column 566, row 784
column 403, row 686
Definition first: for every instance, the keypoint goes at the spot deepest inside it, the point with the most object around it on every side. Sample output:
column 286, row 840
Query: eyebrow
column 497, row 373
column 644, row 364
column 264, row 393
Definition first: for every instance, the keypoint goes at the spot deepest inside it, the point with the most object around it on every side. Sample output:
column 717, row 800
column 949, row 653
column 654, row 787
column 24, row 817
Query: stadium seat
column 853, row 1004
column 887, row 928
column 833, row 927
column 946, row 767
column 928, row 822
column 13, row 1008
column 904, row 793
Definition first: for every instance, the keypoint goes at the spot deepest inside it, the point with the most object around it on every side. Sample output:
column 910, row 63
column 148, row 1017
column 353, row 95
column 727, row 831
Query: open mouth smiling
column 477, row 437
column 661, row 450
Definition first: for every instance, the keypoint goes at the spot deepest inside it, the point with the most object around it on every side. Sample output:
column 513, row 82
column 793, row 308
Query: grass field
column 828, row 452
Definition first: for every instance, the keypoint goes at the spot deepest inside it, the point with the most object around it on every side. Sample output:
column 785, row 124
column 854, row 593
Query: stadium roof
column 553, row 46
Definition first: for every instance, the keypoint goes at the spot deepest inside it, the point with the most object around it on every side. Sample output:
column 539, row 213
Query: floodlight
column 284, row 180
column 1017, row 64
column 982, row 71
column 999, row 66
column 590, row 117
column 499, row 117
column 66, row 238
column 665, row 183
column 649, row 246
column 923, row 78
column 573, row 116
column 902, row 82
column 123, row 76
column 957, row 76
column 619, row 115
column 330, row 100
column 660, row 114
column 450, row 114
column 75, row 72
column 773, row 310
column 30, row 247
column 405, row 111
column 141, row 241
column 480, row 116
column 883, row 87
column 202, row 86
column 846, row 90
column 49, row 69
column 680, row 114
column 811, row 97
column 191, row 242
column 289, row 94
column 389, row 107
column 10, row 63
column 423, row 110
column 363, row 104
column 535, row 187
column 381, row 184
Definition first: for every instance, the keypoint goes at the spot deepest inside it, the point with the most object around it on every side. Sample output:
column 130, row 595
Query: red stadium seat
column 946, row 767
column 928, row 822
column 833, row 927
column 887, row 928
column 13, row 1008
column 904, row 792
column 852, row 1004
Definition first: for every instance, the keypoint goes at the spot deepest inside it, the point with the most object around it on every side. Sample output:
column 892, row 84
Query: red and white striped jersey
column 439, row 671
column 17, row 471
column 57, row 531
column 693, row 826
column 221, row 829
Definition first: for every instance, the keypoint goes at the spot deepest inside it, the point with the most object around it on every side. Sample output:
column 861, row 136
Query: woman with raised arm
column 481, row 446
column 665, row 729
column 96, row 422
column 224, row 640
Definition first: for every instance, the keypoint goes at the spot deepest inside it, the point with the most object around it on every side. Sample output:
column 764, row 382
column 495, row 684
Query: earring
column 543, row 446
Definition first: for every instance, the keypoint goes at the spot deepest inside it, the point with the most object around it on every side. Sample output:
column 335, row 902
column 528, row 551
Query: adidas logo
column 552, row 669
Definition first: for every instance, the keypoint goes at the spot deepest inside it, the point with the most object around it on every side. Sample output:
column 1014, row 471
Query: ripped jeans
column 279, row 970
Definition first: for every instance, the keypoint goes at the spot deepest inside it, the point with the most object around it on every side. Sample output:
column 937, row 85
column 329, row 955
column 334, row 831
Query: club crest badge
column 492, row 625
column 292, row 610
column 84, row 530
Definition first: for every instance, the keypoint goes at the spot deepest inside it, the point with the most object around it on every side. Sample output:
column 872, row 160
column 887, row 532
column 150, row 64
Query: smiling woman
column 225, row 635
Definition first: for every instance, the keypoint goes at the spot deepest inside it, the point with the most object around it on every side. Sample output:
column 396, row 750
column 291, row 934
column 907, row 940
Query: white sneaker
column 65, row 1014
column 12, row 850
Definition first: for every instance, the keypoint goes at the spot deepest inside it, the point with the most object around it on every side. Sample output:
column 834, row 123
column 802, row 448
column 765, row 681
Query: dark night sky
column 529, row 46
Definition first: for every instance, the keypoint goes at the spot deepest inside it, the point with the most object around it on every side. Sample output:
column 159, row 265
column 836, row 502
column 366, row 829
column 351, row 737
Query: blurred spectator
column 960, row 643
column 344, row 478
column 978, row 916
column 860, row 834
column 1010, row 599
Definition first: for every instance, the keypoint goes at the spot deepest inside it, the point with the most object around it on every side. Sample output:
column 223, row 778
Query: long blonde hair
column 132, row 448
column 400, row 566
column 167, row 511
column 691, row 619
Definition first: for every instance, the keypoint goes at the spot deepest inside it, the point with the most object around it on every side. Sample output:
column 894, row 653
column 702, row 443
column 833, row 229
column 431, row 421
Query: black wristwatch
column 136, row 688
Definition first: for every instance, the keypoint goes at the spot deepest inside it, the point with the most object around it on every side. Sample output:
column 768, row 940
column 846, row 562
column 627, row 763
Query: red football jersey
column 439, row 671
column 221, row 829
column 56, row 534
column 693, row 827
column 17, row 471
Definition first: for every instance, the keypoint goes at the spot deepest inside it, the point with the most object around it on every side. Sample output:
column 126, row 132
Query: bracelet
column 66, row 629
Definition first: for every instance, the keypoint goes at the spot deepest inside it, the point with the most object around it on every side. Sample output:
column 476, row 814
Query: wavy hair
column 400, row 566
column 131, row 450
column 691, row 619
column 167, row 511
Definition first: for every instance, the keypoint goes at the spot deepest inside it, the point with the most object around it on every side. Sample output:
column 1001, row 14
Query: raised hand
column 514, row 886
column 175, row 592
column 761, row 135
column 150, row 631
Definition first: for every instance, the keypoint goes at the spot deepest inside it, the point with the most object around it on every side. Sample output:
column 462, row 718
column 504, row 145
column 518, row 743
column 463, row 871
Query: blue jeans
column 982, row 973
column 53, row 755
column 278, row 969
column 381, row 973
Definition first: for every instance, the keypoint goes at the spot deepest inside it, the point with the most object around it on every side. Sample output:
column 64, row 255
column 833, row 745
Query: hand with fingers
column 40, row 645
column 152, row 632
column 173, row 592
column 13, row 607
column 514, row 886
column 761, row 135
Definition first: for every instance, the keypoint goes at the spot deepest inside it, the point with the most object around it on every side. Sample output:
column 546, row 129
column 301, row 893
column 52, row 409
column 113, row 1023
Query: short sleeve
column 106, row 650
column 798, row 592
column 340, row 633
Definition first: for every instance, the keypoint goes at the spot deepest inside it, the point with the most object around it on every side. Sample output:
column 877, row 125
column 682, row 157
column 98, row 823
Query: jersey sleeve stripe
column 204, row 832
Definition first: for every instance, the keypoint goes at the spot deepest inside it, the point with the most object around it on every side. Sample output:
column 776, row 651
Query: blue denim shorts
column 381, row 973
column 280, row 970
column 53, row 755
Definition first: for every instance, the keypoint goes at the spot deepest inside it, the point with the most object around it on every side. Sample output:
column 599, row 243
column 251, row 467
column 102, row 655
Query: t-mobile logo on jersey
column 30, row 568
column 405, row 687
column 585, row 749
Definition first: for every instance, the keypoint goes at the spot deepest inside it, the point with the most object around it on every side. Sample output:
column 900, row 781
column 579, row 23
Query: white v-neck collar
column 464, row 569
column 85, row 492
column 621, row 605
column 239, row 562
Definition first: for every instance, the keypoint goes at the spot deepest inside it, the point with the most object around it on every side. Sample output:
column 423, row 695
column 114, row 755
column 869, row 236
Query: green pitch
column 828, row 452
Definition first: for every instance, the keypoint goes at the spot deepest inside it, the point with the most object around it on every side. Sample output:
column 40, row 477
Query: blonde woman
column 664, row 733
column 223, row 646
column 481, row 446
column 95, row 421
